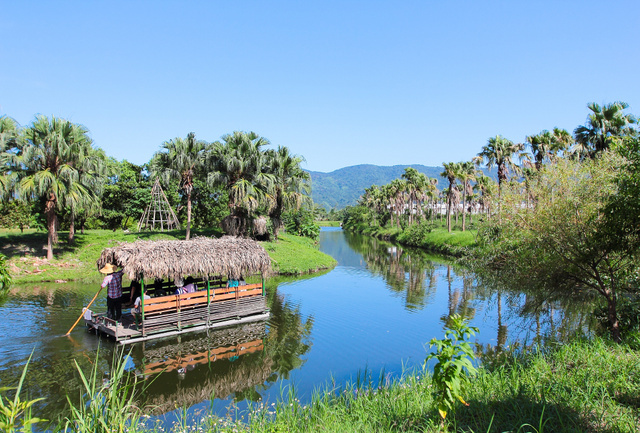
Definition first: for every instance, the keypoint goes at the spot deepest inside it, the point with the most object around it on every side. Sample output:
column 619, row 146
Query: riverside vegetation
column 582, row 386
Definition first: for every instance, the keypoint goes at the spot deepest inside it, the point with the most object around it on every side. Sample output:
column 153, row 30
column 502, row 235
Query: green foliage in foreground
column 585, row 386
column 15, row 414
column 453, row 355
column 290, row 255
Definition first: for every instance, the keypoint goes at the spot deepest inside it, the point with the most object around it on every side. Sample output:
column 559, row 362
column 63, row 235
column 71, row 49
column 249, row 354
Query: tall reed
column 15, row 415
column 106, row 405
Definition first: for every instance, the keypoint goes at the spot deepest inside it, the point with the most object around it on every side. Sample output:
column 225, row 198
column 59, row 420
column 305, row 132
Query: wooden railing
column 212, row 355
column 191, row 308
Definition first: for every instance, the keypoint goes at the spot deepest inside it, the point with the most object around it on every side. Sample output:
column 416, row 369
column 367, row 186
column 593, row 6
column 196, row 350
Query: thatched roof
column 228, row 256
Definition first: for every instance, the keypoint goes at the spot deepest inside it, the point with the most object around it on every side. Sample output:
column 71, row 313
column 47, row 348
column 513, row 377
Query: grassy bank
column 585, row 386
column 436, row 239
column 328, row 223
column 77, row 261
column 295, row 255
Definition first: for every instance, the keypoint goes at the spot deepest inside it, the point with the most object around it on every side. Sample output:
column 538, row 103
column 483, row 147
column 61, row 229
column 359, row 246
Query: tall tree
column 291, row 187
column 91, row 164
column 181, row 159
column 603, row 124
column 8, row 135
column 485, row 185
column 466, row 172
column 47, row 162
column 500, row 152
column 398, row 189
column 546, row 145
column 417, row 185
column 126, row 194
column 239, row 164
column 450, row 172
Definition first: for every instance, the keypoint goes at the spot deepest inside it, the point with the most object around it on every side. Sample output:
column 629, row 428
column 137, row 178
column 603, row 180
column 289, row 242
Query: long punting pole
column 82, row 314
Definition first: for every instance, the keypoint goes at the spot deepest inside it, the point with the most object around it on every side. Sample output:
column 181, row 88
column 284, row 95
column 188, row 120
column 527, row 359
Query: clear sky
column 338, row 82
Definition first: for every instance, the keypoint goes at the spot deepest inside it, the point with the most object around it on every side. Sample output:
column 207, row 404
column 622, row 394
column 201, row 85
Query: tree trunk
column 72, row 227
column 449, row 206
column 613, row 318
column 464, row 211
column 188, row 216
column 52, row 234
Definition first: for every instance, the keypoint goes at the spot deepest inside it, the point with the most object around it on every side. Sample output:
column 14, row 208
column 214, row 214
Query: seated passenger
column 190, row 287
column 136, row 288
column 179, row 286
column 137, row 310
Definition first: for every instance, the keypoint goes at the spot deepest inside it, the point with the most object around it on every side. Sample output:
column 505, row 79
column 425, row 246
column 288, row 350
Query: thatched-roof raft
column 229, row 256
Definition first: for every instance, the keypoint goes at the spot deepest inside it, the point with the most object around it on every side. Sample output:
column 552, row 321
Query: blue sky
column 338, row 82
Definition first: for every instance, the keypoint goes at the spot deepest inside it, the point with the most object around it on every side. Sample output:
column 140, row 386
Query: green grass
column 328, row 223
column 585, row 386
column 438, row 240
column 582, row 387
column 295, row 255
column 77, row 261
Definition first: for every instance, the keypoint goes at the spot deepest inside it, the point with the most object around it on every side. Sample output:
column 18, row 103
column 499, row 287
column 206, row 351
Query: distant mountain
column 344, row 186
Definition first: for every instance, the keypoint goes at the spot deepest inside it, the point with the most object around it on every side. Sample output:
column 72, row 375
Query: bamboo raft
column 213, row 306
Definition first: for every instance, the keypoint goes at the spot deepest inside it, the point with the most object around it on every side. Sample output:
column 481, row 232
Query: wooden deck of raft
column 176, row 314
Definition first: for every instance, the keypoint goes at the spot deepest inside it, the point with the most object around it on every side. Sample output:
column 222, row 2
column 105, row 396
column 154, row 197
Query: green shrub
column 5, row 277
column 454, row 356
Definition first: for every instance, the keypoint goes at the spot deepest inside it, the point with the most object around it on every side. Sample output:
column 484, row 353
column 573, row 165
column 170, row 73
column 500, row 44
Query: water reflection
column 413, row 274
column 377, row 309
column 235, row 363
column 408, row 272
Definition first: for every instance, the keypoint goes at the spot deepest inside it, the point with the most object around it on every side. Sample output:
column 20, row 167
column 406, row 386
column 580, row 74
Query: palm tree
column 602, row 124
column 416, row 185
column 91, row 164
column 563, row 141
column 240, row 165
column 546, row 145
column 291, row 186
column 8, row 135
column 485, row 185
column 450, row 170
column 182, row 160
column 388, row 194
column 48, row 162
column 499, row 152
column 466, row 172
column 373, row 199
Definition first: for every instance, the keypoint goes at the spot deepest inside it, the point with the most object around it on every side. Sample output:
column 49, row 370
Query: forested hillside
column 342, row 187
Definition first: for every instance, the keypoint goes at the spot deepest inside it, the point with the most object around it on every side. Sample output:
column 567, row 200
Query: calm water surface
column 376, row 311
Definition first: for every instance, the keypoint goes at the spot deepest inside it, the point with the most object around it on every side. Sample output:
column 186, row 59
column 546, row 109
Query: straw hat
column 108, row 269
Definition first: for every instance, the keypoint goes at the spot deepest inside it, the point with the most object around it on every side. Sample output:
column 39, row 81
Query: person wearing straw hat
column 113, row 283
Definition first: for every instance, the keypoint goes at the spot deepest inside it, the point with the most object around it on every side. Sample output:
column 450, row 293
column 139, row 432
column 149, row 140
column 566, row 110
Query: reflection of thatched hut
column 205, row 257
column 220, row 378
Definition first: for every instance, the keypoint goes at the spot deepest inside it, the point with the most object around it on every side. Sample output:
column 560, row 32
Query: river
column 375, row 312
